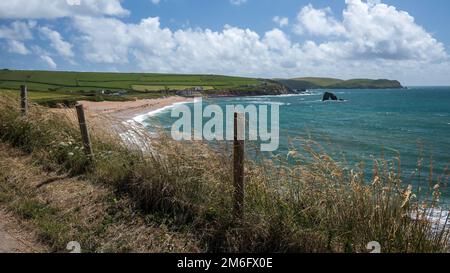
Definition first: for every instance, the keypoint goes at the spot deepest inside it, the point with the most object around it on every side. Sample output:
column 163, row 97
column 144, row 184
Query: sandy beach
column 125, row 110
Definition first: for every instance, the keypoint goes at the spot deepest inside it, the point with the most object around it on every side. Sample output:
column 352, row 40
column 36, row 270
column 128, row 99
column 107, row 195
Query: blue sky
column 397, row 39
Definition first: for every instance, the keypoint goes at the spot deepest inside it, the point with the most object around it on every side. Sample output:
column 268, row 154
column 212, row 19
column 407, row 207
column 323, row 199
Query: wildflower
column 70, row 154
column 407, row 196
column 292, row 154
column 375, row 180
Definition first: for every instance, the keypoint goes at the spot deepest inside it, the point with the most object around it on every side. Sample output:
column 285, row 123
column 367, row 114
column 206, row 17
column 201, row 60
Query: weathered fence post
column 84, row 130
column 24, row 100
column 238, row 168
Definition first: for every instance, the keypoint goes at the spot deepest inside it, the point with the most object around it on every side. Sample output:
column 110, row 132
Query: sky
column 407, row 40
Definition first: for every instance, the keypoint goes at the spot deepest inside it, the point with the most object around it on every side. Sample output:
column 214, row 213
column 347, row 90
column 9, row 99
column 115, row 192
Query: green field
column 148, row 88
column 49, row 87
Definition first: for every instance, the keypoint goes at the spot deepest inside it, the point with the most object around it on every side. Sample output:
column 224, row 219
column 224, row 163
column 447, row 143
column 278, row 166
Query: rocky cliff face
column 268, row 87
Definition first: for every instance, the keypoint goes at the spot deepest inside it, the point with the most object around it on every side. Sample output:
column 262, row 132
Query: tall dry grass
column 309, row 203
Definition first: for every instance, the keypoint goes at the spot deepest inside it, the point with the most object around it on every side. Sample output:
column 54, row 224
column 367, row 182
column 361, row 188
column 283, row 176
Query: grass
column 320, row 81
column 71, row 209
column 144, row 88
column 311, row 204
column 50, row 86
column 331, row 83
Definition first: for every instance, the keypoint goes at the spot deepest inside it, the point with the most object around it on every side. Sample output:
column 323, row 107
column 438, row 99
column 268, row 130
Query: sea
column 367, row 124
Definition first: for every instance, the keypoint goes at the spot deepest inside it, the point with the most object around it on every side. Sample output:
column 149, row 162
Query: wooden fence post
column 84, row 130
column 238, row 168
column 24, row 100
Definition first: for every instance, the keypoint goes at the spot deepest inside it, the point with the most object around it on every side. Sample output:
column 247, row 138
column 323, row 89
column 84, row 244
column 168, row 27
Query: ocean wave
column 438, row 217
column 269, row 103
column 141, row 118
column 310, row 101
column 441, row 115
column 291, row 95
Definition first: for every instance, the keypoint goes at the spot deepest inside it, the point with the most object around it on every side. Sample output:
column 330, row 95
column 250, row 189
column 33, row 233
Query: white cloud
column 15, row 34
column 238, row 2
column 155, row 2
column 17, row 31
column 281, row 21
column 154, row 48
column 57, row 42
column 49, row 61
column 372, row 30
column 17, row 47
column 129, row 39
column 318, row 22
column 52, row 9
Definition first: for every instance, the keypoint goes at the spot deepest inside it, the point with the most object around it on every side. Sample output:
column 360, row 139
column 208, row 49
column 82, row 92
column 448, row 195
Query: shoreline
column 137, row 109
column 130, row 110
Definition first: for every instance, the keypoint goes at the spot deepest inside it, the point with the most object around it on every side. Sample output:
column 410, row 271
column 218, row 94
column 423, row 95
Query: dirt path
column 13, row 239
column 46, row 218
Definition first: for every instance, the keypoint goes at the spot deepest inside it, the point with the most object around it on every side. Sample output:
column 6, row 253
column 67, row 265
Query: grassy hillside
column 311, row 204
column 331, row 83
column 50, row 86
column 319, row 81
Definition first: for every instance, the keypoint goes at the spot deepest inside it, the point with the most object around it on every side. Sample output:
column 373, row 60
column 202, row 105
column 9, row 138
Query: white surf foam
column 268, row 103
column 141, row 118
column 291, row 95
column 438, row 217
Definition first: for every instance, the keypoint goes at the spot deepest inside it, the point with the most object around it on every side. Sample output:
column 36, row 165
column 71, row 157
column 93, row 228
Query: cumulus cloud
column 154, row 48
column 372, row 30
column 52, row 9
column 129, row 39
column 318, row 22
column 57, row 42
column 155, row 2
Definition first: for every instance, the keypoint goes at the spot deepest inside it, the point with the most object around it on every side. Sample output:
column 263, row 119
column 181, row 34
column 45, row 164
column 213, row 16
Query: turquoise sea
column 369, row 124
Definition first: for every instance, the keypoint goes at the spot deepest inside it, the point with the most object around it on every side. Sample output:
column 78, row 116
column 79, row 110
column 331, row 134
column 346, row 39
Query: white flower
column 292, row 154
